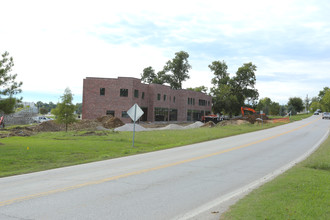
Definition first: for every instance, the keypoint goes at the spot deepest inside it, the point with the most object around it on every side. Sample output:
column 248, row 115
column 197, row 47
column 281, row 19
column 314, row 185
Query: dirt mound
column 49, row 126
column 232, row 122
column 255, row 118
column 209, row 124
column 113, row 122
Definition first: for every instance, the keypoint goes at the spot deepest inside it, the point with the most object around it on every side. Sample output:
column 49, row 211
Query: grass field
column 302, row 192
column 49, row 150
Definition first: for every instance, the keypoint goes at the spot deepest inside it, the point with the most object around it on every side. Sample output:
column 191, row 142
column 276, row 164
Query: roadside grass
column 50, row 150
column 302, row 192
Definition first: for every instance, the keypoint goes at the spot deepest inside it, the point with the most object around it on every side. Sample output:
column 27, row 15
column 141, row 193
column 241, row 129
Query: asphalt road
column 196, row 181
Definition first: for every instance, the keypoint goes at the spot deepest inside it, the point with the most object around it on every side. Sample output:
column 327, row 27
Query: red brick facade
column 103, row 96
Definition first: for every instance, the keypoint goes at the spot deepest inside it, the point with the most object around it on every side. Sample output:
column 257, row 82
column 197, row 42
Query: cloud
column 57, row 44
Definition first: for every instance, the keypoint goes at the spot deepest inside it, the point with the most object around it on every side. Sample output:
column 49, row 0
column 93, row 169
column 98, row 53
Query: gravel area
column 129, row 127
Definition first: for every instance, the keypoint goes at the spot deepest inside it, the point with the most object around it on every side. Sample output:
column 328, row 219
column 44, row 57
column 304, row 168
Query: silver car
column 326, row 115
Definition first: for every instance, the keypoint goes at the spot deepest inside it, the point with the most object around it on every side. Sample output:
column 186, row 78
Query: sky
column 56, row 44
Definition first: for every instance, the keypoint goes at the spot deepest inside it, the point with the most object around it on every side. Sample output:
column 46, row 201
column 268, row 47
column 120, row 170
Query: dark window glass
column 124, row 114
column 173, row 114
column 164, row 97
column 136, row 93
column 202, row 102
column 123, row 92
column 161, row 114
column 158, row 96
column 102, row 91
column 174, row 99
column 142, row 95
column 110, row 112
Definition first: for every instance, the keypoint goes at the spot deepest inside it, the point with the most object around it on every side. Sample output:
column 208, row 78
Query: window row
column 159, row 97
column 165, row 114
column 123, row 93
column 203, row 102
column 191, row 101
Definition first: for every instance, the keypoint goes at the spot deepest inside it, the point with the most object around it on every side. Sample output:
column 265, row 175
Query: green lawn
column 49, row 150
column 302, row 192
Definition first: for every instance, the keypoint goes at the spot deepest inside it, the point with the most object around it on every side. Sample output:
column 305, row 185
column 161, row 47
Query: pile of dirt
column 255, row 118
column 232, row 122
column 108, row 121
column 209, row 124
column 49, row 126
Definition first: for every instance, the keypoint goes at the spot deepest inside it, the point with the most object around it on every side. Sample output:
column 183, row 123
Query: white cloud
column 62, row 42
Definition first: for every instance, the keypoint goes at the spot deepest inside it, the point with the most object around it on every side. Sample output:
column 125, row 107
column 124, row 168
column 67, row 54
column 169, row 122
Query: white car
column 40, row 119
column 326, row 115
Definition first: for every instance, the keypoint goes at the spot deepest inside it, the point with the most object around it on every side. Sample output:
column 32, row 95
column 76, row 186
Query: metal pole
column 134, row 123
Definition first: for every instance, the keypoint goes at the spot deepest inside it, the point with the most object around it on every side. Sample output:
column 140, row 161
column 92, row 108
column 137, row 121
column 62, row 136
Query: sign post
column 135, row 112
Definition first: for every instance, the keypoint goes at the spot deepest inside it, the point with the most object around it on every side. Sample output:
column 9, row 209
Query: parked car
column 326, row 115
column 316, row 113
column 40, row 119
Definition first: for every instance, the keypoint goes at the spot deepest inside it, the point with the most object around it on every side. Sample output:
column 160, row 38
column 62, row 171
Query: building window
column 136, row 93
column 161, row 114
column 193, row 101
column 123, row 92
column 124, row 114
column 174, row 99
column 142, row 95
column 164, row 97
column 194, row 115
column 110, row 112
column 102, row 91
column 173, row 114
column 208, row 103
column 158, row 96
column 202, row 102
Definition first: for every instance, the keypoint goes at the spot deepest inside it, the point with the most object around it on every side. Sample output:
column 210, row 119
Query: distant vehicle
column 214, row 118
column 316, row 113
column 40, row 119
column 326, row 115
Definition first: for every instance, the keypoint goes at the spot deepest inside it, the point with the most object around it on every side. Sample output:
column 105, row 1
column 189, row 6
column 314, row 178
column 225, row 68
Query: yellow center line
column 32, row 196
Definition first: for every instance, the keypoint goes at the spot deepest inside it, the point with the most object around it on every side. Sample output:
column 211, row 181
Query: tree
column 179, row 67
column 43, row 111
column 229, row 94
column 322, row 92
column 243, row 83
column 325, row 101
column 8, row 85
column 148, row 75
column 65, row 110
column 296, row 103
column 202, row 89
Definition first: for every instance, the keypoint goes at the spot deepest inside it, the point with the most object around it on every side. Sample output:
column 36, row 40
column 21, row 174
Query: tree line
column 228, row 93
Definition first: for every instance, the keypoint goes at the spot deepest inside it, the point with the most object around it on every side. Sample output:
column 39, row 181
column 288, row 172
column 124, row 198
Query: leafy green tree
column 322, row 92
column 64, row 111
column 79, row 108
column 296, row 103
column 325, row 101
column 43, row 111
column 179, row 68
column 8, row 84
column 148, row 75
column 229, row 94
column 202, row 89
column 243, row 83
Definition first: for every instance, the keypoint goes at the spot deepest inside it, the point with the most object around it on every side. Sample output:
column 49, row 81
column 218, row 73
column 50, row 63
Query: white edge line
column 248, row 188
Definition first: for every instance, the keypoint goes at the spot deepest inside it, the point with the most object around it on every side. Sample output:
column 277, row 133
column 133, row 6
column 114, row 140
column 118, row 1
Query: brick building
column 105, row 96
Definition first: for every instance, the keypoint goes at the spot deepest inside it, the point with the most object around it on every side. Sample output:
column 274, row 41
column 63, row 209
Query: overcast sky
column 56, row 44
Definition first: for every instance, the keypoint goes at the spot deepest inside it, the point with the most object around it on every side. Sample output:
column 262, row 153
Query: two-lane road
column 183, row 182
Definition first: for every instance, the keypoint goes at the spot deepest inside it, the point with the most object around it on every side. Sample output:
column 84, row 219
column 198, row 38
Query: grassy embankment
column 57, row 149
column 302, row 192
